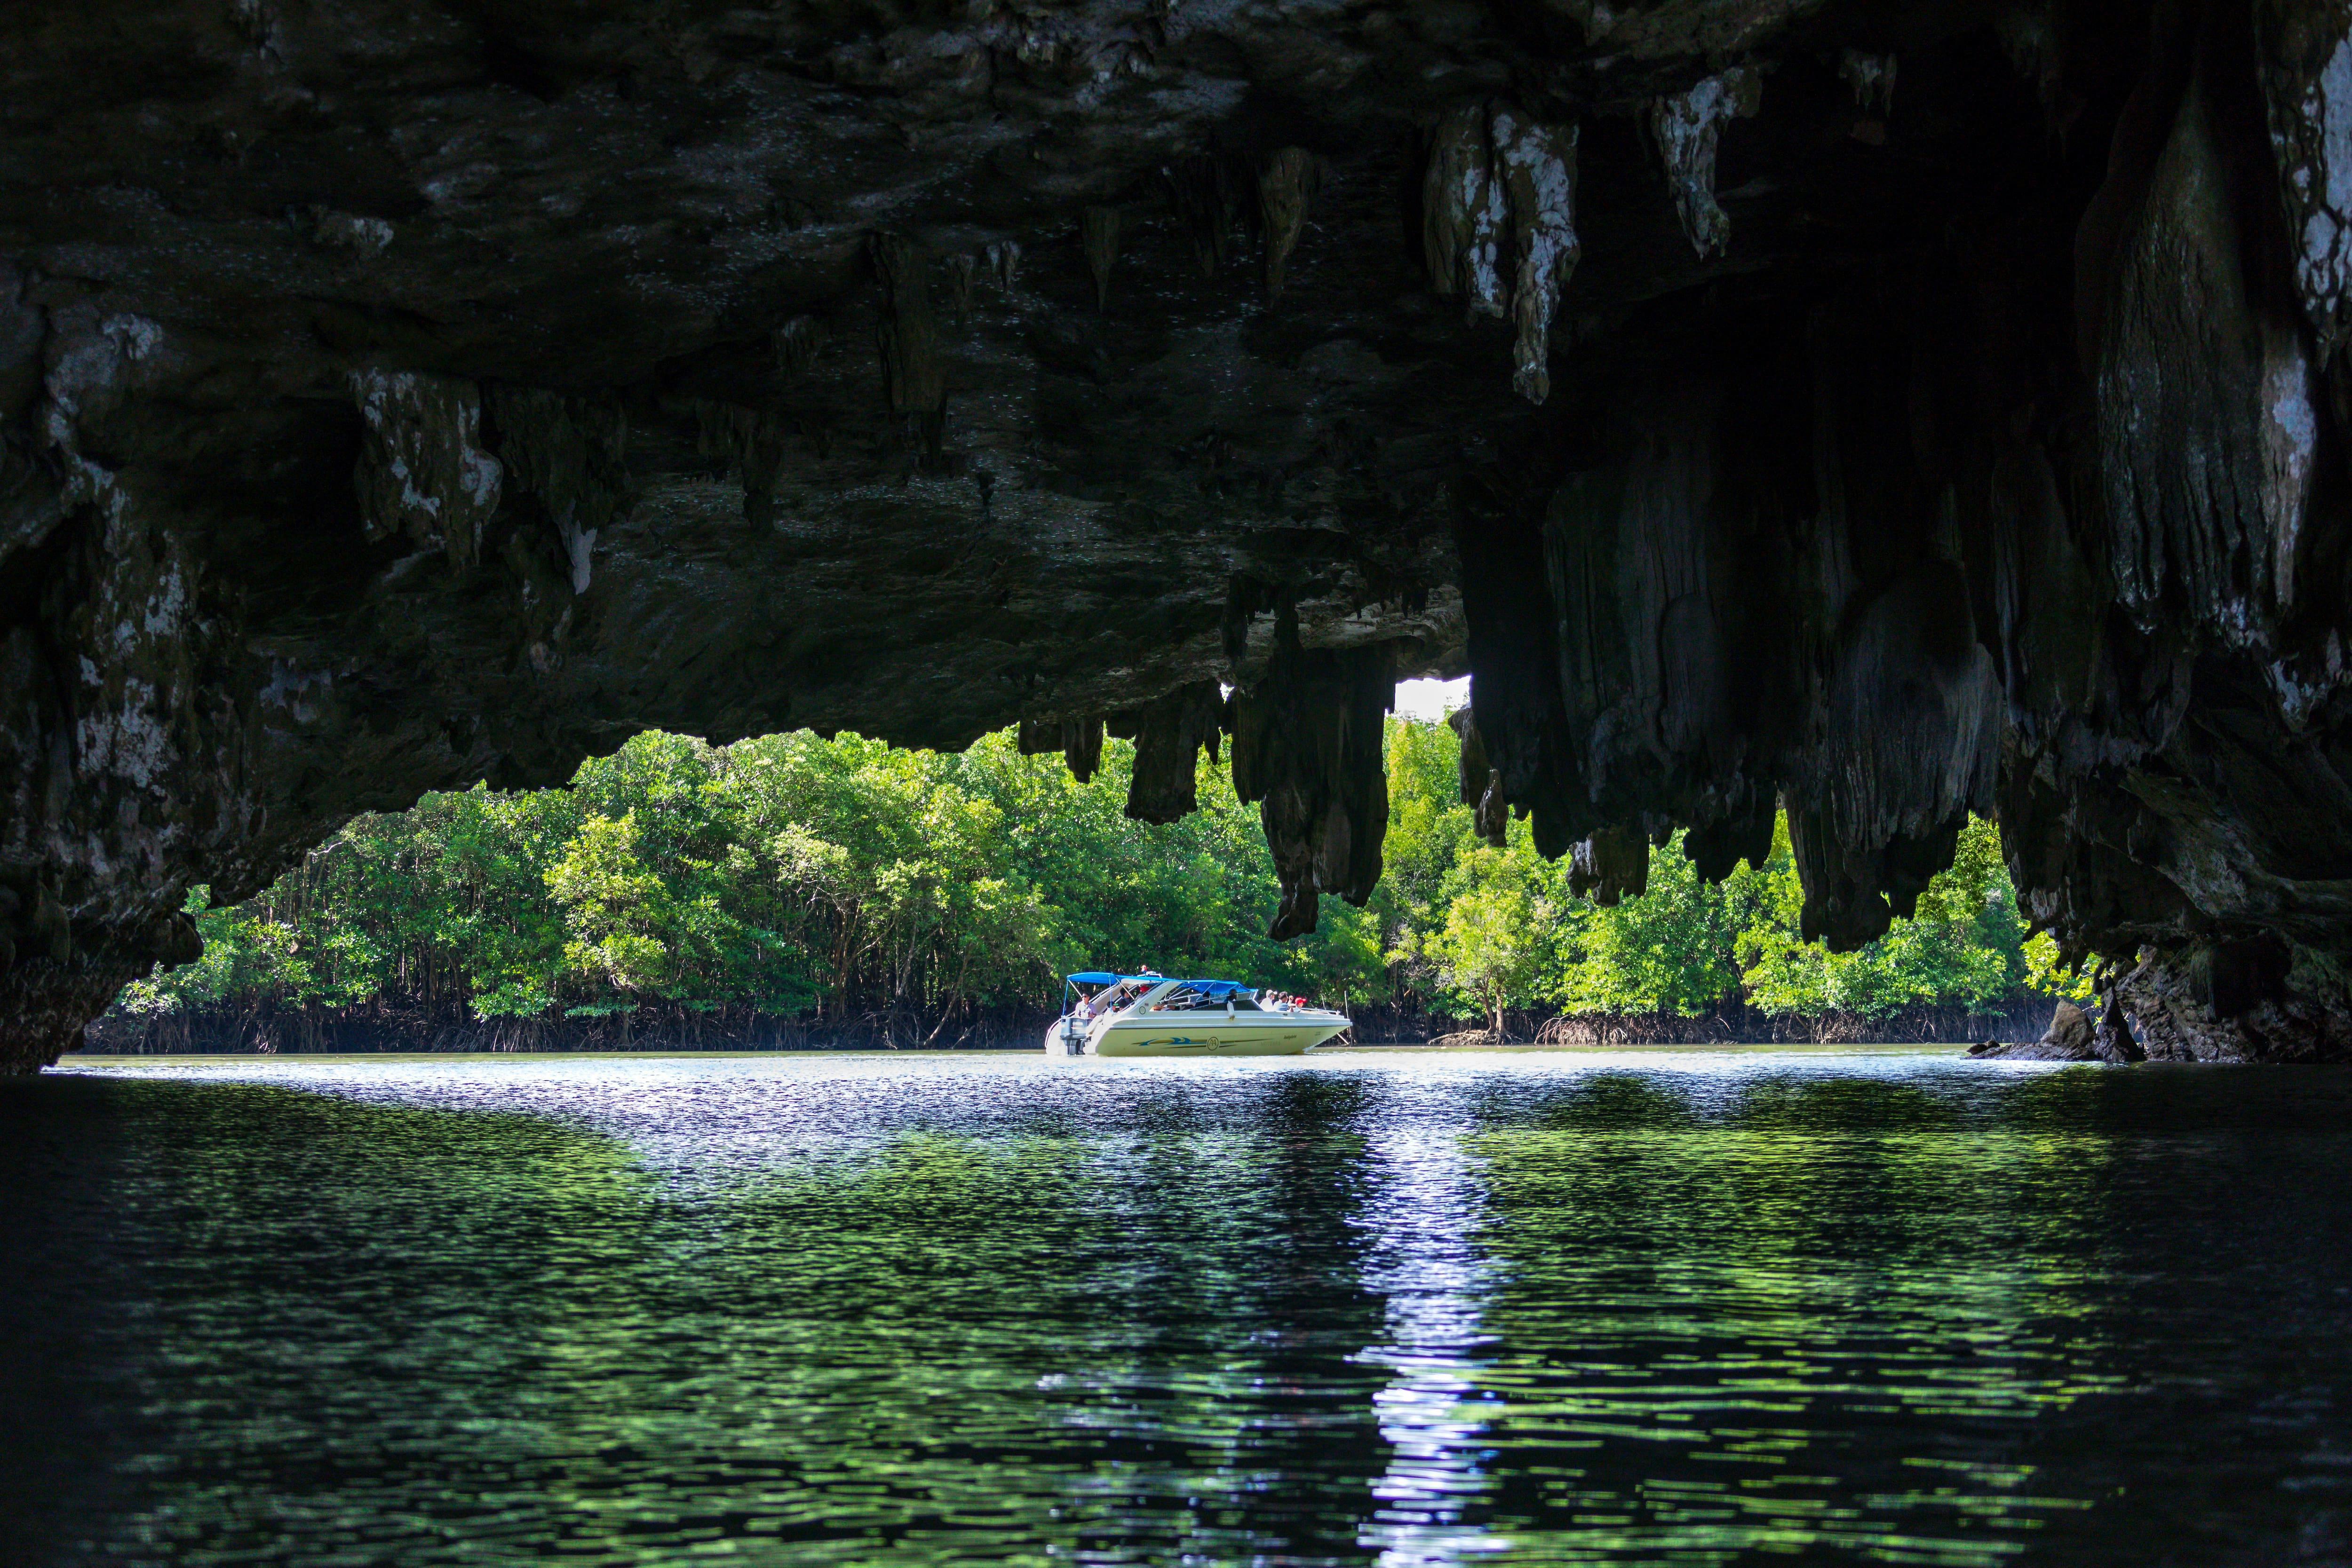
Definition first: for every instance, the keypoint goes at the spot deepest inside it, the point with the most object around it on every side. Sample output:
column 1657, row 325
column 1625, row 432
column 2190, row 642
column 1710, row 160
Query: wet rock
column 2247, row 1000
column 2070, row 1037
column 2069, row 1034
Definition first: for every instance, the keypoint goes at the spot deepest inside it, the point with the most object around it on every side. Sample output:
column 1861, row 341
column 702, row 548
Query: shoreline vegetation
column 792, row 892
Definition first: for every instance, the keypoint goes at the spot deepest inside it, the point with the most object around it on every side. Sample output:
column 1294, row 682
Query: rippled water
column 1391, row 1308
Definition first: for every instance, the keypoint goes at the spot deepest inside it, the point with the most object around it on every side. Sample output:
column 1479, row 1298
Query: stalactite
column 752, row 442
column 1872, row 77
column 962, row 268
column 1169, row 734
column 1481, row 784
column 1464, row 209
column 2029, row 36
column 1003, row 263
column 1202, row 194
column 1743, row 833
column 1686, row 127
column 1082, row 743
column 797, row 342
column 1307, row 747
column 1611, row 864
column 1079, row 740
column 1101, row 239
column 1285, row 183
column 1498, row 224
column 913, row 377
column 572, row 455
column 1539, row 171
column 2304, row 56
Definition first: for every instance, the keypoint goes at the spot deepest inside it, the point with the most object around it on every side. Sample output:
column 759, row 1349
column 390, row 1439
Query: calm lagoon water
column 1684, row 1309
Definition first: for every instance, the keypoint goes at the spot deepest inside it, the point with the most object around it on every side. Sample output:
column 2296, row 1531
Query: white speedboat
column 1149, row 1015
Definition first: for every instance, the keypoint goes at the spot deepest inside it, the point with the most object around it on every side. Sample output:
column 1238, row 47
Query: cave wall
column 1890, row 410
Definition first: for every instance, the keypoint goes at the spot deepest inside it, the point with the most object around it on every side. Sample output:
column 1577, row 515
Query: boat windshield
column 1155, row 993
column 1120, row 995
column 1186, row 996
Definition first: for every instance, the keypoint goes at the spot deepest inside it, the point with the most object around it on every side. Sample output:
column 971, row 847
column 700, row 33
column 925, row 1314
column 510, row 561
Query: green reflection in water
column 801, row 1312
column 1806, row 1319
column 460, row 1333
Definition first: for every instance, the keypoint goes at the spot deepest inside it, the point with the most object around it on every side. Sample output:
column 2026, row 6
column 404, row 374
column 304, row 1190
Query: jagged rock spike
column 1003, row 263
column 1686, row 127
column 798, row 339
column 1872, row 77
column 1307, row 748
column 1201, row 194
column 1101, row 239
column 1611, row 864
column 1286, row 179
column 914, row 376
column 1498, row 224
column 962, row 268
column 1169, row 733
column 752, row 442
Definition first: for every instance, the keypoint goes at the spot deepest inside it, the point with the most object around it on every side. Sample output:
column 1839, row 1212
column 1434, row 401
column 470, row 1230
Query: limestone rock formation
column 2073, row 1035
column 395, row 396
column 1498, row 226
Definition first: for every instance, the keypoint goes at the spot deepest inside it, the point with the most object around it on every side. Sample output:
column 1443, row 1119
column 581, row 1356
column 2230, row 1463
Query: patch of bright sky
column 1430, row 701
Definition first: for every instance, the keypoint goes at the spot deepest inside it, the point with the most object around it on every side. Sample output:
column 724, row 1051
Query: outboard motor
column 1070, row 1036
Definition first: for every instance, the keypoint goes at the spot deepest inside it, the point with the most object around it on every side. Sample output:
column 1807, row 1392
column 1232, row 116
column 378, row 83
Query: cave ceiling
column 1887, row 410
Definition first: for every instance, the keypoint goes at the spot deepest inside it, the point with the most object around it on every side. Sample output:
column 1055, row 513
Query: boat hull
column 1283, row 1035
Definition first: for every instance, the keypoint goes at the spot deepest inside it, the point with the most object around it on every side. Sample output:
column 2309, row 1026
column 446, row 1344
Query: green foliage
column 788, row 875
column 1963, row 943
column 1474, row 930
column 845, row 879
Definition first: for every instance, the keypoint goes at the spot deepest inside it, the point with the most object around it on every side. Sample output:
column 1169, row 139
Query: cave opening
column 1896, row 414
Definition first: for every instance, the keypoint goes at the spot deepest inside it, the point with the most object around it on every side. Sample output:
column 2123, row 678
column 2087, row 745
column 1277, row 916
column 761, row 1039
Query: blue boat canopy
column 1105, row 978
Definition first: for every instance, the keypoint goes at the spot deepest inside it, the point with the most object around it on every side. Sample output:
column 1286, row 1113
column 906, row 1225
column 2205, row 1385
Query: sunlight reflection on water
column 1649, row 1307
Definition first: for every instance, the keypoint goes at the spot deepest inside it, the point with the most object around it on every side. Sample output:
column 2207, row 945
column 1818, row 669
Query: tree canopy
column 843, row 879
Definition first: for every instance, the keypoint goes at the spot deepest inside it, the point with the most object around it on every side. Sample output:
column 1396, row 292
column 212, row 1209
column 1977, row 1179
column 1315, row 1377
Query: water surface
column 1390, row 1307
